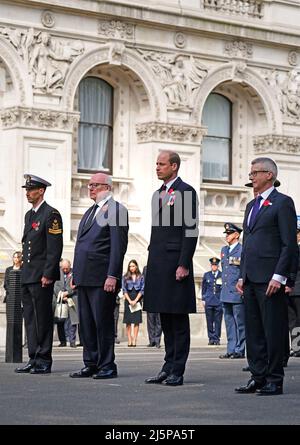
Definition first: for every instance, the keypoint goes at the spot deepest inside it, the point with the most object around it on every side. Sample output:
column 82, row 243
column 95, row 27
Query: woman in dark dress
column 133, row 290
column 17, row 264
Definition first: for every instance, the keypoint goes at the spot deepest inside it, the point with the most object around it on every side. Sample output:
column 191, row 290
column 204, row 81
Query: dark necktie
column 89, row 220
column 255, row 210
column 162, row 194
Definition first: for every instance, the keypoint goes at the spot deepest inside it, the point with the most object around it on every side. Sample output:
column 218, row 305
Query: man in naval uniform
column 211, row 290
column 42, row 247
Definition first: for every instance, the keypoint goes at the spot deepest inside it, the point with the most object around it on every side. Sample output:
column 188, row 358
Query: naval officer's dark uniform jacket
column 211, row 290
column 42, row 248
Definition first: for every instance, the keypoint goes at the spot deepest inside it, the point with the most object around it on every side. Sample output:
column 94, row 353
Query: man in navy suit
column 169, row 286
column 97, row 271
column 211, row 290
column 269, row 246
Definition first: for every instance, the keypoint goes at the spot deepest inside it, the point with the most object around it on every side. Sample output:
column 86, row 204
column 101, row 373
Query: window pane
column 95, row 127
column 95, row 101
column 217, row 116
column 215, row 159
column 94, row 145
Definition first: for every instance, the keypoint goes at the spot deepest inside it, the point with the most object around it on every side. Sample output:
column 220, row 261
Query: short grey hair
column 109, row 181
column 268, row 164
column 65, row 260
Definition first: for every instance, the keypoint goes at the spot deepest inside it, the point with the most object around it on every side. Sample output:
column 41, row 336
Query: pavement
column 206, row 398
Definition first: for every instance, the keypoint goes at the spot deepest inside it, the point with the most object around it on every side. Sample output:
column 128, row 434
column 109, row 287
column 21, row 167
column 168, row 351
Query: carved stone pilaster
column 38, row 118
column 116, row 29
column 159, row 132
column 271, row 143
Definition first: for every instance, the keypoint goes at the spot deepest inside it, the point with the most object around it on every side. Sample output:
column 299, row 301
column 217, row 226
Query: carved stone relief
column 278, row 144
column 47, row 59
column 115, row 53
column 180, row 77
column 293, row 58
column 48, row 19
column 286, row 87
column 238, row 48
column 38, row 118
column 179, row 40
column 116, row 29
column 157, row 131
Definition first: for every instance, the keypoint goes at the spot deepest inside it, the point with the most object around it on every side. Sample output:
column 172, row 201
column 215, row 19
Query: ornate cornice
column 160, row 132
column 271, row 143
column 17, row 117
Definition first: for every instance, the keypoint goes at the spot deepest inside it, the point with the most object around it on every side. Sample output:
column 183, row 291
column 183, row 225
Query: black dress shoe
column 174, row 380
column 25, row 369
column 41, row 369
column 106, row 374
column 61, row 345
column 237, row 355
column 250, row 388
column 150, row 345
column 246, row 369
column 217, row 343
column 158, row 346
column 88, row 371
column 161, row 377
column 211, row 342
column 227, row 355
column 270, row 389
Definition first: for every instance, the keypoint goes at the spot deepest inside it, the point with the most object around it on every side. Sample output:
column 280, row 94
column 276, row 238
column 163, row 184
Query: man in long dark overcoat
column 169, row 287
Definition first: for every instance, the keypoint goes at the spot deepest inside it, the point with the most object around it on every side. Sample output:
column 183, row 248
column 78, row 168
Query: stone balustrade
column 224, row 200
column 246, row 8
column 80, row 196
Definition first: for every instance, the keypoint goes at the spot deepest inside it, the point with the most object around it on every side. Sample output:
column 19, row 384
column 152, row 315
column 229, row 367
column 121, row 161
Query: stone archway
column 246, row 76
column 128, row 60
column 19, row 76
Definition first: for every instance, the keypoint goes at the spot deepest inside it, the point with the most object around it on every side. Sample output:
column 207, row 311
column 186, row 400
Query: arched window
column 95, row 133
column 216, row 153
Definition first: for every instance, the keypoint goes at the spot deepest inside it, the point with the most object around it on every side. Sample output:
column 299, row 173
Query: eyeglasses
column 254, row 173
column 94, row 186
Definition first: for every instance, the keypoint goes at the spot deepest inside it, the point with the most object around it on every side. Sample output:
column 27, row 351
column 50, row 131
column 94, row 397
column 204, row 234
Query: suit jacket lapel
column 173, row 187
column 81, row 230
column 98, row 217
column 264, row 208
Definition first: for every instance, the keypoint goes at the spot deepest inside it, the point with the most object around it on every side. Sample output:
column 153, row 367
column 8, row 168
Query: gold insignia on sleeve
column 55, row 229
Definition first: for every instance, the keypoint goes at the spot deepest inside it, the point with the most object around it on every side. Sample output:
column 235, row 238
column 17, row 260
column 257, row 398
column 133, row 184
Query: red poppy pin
column 172, row 197
column 267, row 203
column 35, row 225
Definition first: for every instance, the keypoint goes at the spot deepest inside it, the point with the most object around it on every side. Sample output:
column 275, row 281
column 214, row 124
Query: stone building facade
column 168, row 72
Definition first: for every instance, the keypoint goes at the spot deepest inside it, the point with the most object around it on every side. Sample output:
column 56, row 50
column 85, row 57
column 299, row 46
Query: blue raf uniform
column 233, row 305
column 211, row 290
